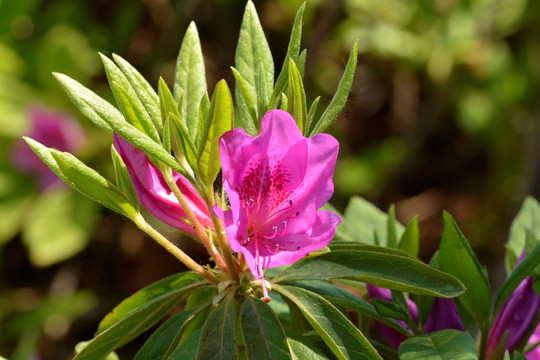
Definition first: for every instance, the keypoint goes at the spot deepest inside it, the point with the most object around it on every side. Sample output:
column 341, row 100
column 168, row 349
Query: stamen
column 266, row 298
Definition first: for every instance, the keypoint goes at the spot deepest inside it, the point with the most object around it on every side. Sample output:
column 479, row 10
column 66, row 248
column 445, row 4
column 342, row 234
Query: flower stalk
column 199, row 230
column 174, row 250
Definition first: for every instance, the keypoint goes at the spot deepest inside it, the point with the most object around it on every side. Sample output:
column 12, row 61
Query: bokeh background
column 444, row 114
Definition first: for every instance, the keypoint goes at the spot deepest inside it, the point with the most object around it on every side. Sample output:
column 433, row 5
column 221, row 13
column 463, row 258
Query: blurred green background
column 443, row 114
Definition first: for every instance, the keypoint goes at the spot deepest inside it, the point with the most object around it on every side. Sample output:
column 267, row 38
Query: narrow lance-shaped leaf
column 253, row 59
column 340, row 97
column 92, row 106
column 339, row 296
column 392, row 238
column 264, row 337
column 341, row 336
column 296, row 96
column 141, row 318
column 527, row 220
column 169, row 106
column 123, row 180
column 312, row 112
column 204, row 109
column 128, row 101
column 186, row 144
column 93, row 185
column 146, row 94
column 519, row 274
column 218, row 337
column 387, row 270
column 292, row 53
column 190, row 79
column 457, row 258
column 83, row 179
column 410, row 240
column 246, row 104
column 164, row 340
column 442, row 345
column 219, row 121
column 99, row 110
column 169, row 285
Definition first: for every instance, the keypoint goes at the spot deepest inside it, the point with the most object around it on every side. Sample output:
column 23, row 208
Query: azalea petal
column 153, row 192
column 276, row 182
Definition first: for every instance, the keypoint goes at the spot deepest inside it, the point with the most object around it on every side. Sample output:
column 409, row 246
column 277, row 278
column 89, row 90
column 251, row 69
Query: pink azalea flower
column 516, row 316
column 155, row 195
column 53, row 129
column 276, row 182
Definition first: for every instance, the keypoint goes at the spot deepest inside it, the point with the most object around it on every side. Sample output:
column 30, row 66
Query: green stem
column 199, row 229
column 224, row 246
column 173, row 249
column 484, row 333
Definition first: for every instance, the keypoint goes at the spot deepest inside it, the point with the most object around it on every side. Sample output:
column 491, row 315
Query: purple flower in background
column 155, row 195
column 53, row 129
column 516, row 316
column 276, row 183
column 392, row 337
column 443, row 315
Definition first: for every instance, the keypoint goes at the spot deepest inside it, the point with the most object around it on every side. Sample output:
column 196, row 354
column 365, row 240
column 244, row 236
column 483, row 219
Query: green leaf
column 123, row 180
column 345, row 245
column 292, row 54
column 167, row 286
column 391, row 271
column 340, row 97
column 93, row 185
column 83, row 179
column 181, row 141
column 389, row 309
column 128, row 101
column 338, row 296
column 264, row 337
column 133, row 316
column 146, row 94
column 58, row 225
column 253, row 60
column 444, row 345
column 519, row 274
column 219, row 121
column 312, row 112
column 410, row 240
column 190, row 79
column 296, row 96
column 302, row 351
column 341, row 336
column 392, row 238
column 527, row 220
column 246, row 104
column 218, row 336
column 93, row 107
column 457, row 258
column 188, row 348
column 187, row 146
column 164, row 340
column 44, row 154
column 362, row 220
